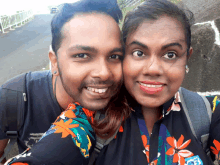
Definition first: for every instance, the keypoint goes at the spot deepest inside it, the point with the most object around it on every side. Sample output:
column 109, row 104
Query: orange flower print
column 71, row 106
column 146, row 147
column 154, row 162
column 62, row 127
column 77, row 103
column 70, row 114
column 19, row 164
column 175, row 106
column 216, row 149
column 89, row 113
column 121, row 129
column 177, row 149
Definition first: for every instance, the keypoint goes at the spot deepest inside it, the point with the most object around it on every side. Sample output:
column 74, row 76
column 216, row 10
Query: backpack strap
column 100, row 143
column 15, row 98
column 208, row 107
column 198, row 113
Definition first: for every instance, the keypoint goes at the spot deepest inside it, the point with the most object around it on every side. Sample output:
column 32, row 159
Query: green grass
column 126, row 10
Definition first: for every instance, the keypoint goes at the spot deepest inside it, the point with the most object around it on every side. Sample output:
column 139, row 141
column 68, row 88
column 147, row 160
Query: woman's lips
column 151, row 87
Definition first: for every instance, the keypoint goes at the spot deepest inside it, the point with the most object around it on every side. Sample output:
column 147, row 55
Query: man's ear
column 53, row 60
column 190, row 52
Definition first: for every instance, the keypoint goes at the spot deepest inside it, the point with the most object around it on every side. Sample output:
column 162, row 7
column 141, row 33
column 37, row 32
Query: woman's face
column 155, row 60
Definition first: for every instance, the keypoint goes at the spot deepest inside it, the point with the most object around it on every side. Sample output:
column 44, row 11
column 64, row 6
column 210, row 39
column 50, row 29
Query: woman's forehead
column 162, row 28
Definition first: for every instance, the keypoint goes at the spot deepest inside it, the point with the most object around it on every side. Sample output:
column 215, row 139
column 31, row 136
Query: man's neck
column 62, row 97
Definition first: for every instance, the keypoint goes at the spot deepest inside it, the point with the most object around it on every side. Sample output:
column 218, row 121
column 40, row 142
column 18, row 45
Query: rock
column 204, row 10
column 204, row 62
column 217, row 23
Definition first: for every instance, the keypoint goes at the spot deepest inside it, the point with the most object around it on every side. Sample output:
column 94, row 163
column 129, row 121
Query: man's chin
column 95, row 106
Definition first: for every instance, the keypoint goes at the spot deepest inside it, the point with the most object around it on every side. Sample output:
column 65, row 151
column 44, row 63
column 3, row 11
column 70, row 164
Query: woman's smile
column 151, row 87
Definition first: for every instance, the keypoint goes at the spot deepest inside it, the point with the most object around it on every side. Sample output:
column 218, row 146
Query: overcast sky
column 11, row 6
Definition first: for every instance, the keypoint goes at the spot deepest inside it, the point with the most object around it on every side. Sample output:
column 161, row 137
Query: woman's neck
column 151, row 115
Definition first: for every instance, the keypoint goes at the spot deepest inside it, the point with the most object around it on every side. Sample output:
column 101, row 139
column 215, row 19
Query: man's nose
column 102, row 70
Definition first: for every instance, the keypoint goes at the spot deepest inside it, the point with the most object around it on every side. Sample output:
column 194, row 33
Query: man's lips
column 151, row 87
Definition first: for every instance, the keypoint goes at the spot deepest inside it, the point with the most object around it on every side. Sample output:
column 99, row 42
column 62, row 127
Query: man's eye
column 170, row 55
column 138, row 53
column 116, row 57
column 81, row 55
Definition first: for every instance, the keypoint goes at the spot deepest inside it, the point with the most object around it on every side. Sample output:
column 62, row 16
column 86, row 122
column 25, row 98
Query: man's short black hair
column 68, row 11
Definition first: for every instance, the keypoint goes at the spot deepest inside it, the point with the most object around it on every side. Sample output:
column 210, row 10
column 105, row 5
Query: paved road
column 26, row 48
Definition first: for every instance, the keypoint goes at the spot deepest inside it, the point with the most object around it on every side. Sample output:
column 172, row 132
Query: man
column 86, row 68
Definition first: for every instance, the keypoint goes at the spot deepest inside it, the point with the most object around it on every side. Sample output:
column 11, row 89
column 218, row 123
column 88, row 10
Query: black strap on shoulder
column 15, row 98
column 15, row 104
column 100, row 143
column 198, row 113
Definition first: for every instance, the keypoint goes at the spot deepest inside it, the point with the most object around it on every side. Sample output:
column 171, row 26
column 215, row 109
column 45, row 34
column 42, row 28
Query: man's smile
column 97, row 90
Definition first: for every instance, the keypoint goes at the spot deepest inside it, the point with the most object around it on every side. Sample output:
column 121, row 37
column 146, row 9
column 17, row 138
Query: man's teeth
column 103, row 90
column 151, row 86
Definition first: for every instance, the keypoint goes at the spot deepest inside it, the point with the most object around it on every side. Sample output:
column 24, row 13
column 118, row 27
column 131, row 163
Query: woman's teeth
column 103, row 90
column 151, row 86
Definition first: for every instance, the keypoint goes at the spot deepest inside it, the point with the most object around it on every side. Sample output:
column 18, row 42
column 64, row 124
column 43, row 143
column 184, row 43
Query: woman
column 158, row 44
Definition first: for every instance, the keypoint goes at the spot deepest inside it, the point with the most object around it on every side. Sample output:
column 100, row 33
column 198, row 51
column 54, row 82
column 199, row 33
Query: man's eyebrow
column 83, row 47
column 116, row 50
column 172, row 44
column 138, row 43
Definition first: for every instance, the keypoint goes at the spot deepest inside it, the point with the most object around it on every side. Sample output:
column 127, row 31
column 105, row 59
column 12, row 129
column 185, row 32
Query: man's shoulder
column 16, row 83
column 37, row 75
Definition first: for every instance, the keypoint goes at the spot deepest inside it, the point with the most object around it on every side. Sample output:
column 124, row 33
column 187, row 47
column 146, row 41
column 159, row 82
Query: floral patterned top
column 171, row 142
column 70, row 133
column 70, row 140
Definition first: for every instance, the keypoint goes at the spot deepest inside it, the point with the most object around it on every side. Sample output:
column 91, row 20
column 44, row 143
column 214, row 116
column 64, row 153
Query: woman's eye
column 116, row 57
column 81, row 55
column 170, row 55
column 138, row 53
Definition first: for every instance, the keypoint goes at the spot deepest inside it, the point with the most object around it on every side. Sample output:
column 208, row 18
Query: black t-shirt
column 42, row 109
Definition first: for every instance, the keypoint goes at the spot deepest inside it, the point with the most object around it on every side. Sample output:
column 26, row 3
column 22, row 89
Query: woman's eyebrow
column 163, row 47
column 138, row 43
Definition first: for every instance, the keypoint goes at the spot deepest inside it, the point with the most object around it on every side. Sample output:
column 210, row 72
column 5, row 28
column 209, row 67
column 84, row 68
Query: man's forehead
column 87, row 21
column 92, row 32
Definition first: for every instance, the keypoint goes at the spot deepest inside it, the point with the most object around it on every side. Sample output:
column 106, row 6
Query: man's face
column 90, row 60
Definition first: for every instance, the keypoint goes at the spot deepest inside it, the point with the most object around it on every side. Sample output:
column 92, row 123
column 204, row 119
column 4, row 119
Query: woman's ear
column 190, row 52
column 53, row 60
